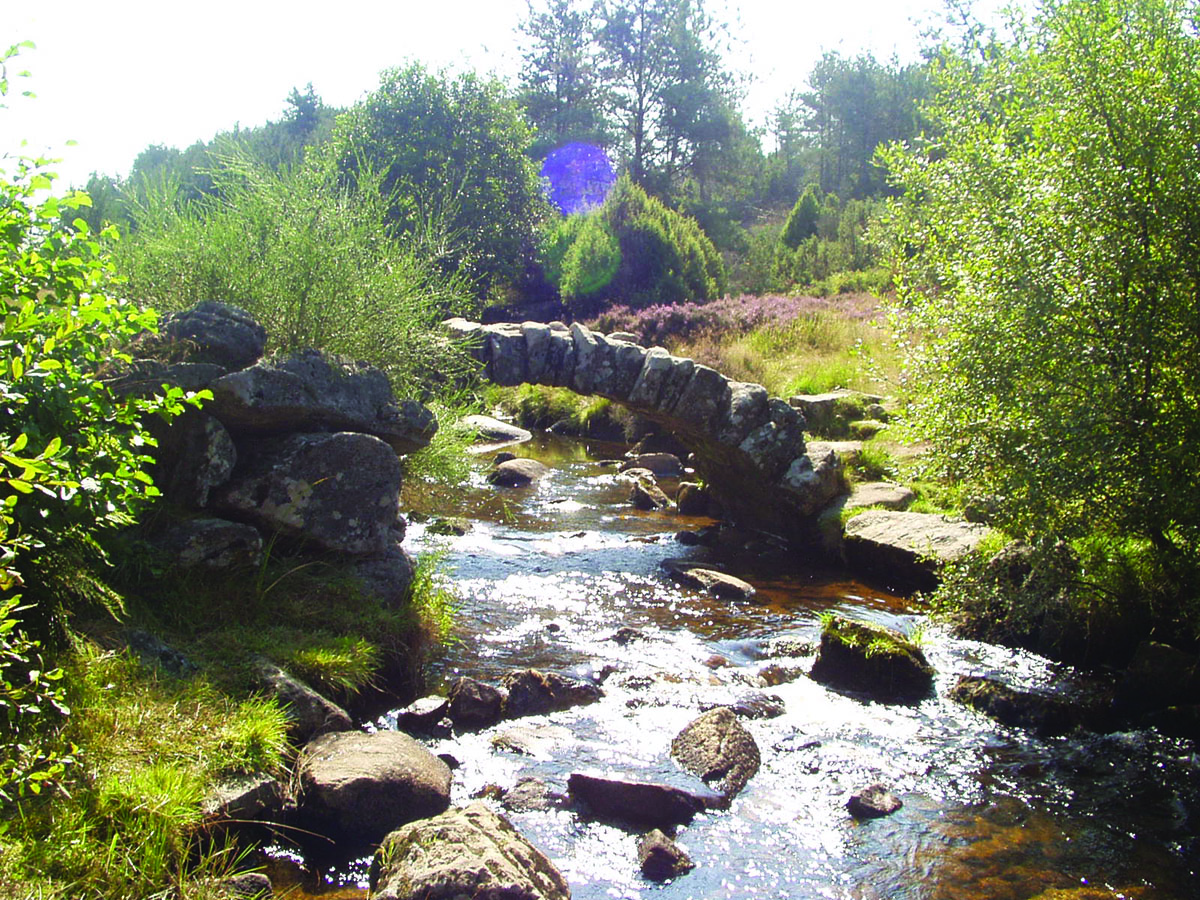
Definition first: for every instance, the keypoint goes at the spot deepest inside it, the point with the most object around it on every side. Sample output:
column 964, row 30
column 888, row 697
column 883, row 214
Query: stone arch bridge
column 748, row 447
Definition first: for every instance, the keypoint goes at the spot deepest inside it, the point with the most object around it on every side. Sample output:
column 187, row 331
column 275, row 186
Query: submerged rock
column 1020, row 709
column 873, row 802
column 718, row 748
column 517, row 472
column 531, row 693
column 872, row 660
column 640, row 802
column 359, row 786
column 718, row 584
column 463, row 853
column 660, row 858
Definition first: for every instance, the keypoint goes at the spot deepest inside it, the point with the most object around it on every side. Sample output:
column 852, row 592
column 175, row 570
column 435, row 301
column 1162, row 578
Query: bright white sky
column 118, row 75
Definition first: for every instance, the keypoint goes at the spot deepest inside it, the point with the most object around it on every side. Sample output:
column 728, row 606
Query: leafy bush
column 633, row 251
column 1047, row 242
column 311, row 260
column 72, row 455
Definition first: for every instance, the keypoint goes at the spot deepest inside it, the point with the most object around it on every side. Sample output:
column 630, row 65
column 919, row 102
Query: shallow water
column 546, row 576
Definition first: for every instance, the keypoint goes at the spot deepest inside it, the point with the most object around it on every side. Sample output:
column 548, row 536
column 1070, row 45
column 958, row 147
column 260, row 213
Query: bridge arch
column 748, row 447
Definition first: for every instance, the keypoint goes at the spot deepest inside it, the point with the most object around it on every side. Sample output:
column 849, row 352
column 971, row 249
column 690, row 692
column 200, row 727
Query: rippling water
column 546, row 576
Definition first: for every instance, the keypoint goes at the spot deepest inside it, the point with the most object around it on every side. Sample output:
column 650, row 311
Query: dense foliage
column 72, row 454
column 633, row 250
column 450, row 156
column 1047, row 240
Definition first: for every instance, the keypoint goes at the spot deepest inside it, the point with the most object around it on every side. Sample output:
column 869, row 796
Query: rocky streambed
column 672, row 742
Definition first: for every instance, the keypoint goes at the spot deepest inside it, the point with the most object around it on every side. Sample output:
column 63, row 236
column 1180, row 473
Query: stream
column 546, row 575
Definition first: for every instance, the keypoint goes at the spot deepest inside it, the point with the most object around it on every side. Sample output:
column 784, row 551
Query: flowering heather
column 729, row 316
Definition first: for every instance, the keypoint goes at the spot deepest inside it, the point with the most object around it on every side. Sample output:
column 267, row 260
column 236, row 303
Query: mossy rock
column 872, row 660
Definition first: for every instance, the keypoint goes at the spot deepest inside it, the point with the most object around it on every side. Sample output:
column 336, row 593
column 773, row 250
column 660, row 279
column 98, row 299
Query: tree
column 303, row 115
column 669, row 91
column 802, row 220
column 1047, row 242
column 452, row 154
column 854, row 105
column 560, row 87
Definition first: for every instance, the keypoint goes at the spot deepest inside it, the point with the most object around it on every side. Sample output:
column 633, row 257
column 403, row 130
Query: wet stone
column 639, row 802
column 718, row 748
column 661, row 859
column 873, row 802
column 474, row 704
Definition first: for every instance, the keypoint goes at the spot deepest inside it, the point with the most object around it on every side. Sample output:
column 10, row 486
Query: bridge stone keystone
column 706, row 395
column 678, row 376
column 747, row 411
column 585, row 344
column 648, row 385
column 537, row 349
column 507, row 355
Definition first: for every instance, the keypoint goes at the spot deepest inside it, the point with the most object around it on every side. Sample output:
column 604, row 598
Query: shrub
column 801, row 222
column 311, row 260
column 633, row 251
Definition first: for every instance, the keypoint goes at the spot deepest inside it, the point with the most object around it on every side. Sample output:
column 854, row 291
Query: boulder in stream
column 474, row 704
column 463, row 853
column 700, row 578
column 873, row 802
column 717, row 748
column 531, row 693
column 661, row 465
column 660, row 858
column 358, row 787
column 644, row 803
column 1044, row 715
column 645, row 494
column 872, row 660
column 493, row 431
column 517, row 472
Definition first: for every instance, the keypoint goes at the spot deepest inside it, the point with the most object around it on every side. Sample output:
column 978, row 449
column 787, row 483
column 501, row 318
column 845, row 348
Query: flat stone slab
column 906, row 546
column 882, row 494
column 493, row 431
column 700, row 578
